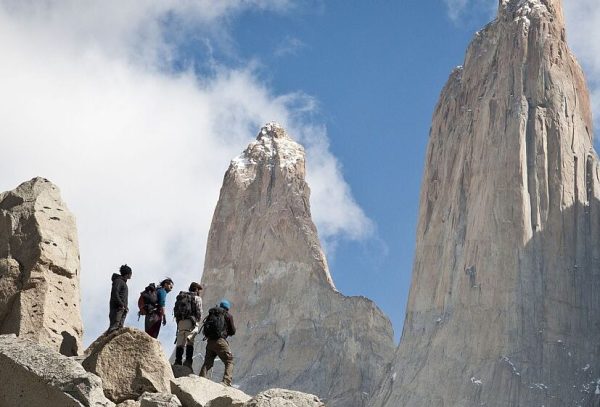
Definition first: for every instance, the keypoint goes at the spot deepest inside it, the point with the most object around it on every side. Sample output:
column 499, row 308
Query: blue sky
column 134, row 110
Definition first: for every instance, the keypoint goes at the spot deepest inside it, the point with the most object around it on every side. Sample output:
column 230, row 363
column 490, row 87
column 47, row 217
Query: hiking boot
column 178, row 355
column 189, row 355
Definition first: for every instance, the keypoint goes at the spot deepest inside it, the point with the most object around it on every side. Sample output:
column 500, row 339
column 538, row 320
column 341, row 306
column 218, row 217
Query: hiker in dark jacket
column 118, row 298
column 154, row 319
column 220, row 347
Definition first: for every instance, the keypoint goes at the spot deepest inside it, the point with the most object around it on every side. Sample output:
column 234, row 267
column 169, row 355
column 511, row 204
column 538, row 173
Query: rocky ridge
column 503, row 303
column 295, row 330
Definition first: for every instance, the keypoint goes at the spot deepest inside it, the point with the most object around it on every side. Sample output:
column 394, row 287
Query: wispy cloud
column 289, row 46
column 91, row 100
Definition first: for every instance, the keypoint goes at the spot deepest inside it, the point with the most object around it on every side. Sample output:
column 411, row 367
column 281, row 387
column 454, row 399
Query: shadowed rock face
column 503, row 308
column 39, row 267
column 294, row 329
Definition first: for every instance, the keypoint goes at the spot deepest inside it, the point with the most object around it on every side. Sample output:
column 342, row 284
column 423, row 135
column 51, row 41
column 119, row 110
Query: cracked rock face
column 503, row 308
column 39, row 267
column 295, row 330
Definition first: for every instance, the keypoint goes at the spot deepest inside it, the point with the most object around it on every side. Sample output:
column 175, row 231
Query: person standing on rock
column 218, row 325
column 119, row 298
column 188, row 314
column 154, row 320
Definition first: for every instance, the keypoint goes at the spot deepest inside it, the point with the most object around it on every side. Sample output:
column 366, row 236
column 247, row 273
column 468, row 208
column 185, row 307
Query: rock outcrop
column 503, row 307
column 295, row 330
column 34, row 375
column 194, row 391
column 39, row 267
column 284, row 398
column 130, row 362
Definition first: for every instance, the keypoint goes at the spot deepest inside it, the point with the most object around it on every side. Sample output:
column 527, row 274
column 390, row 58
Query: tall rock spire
column 39, row 267
column 295, row 330
column 504, row 307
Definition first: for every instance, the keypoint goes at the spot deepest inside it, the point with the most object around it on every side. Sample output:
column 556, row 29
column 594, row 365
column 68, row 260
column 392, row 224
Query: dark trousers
column 220, row 348
column 152, row 324
column 116, row 317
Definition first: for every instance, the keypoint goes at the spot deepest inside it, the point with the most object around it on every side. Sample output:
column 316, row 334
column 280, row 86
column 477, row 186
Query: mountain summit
column 503, row 307
column 295, row 330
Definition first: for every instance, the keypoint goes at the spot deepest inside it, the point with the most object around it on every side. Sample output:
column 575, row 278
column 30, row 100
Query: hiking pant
column 116, row 317
column 152, row 324
column 186, row 333
column 220, row 348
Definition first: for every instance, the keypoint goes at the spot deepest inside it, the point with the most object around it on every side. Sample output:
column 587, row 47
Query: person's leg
column 116, row 319
column 224, row 353
column 122, row 315
column 209, row 358
column 180, row 341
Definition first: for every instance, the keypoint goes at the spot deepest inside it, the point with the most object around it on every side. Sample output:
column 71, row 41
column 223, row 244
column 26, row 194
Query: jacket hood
column 115, row 276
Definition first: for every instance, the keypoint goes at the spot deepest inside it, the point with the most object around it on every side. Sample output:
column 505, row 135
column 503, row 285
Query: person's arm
column 230, row 325
column 199, row 307
column 161, row 296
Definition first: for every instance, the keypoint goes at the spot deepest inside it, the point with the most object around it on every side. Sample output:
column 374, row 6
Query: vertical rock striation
column 295, row 330
column 504, row 307
column 39, row 267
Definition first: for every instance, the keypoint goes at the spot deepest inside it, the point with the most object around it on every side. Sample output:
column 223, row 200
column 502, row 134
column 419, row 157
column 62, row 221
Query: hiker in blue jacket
column 159, row 316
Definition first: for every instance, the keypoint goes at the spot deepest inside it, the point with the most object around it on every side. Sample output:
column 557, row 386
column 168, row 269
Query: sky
column 135, row 109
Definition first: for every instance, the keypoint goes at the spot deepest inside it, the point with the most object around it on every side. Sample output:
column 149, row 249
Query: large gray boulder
column 284, row 398
column 130, row 362
column 503, row 307
column 295, row 330
column 34, row 375
column 194, row 391
column 39, row 267
column 159, row 400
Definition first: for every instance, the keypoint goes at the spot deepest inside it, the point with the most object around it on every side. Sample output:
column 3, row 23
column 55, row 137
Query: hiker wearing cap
column 188, row 314
column 118, row 298
column 217, row 326
column 154, row 320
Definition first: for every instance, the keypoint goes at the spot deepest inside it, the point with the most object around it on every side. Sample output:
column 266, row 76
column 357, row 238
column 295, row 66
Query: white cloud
column 139, row 150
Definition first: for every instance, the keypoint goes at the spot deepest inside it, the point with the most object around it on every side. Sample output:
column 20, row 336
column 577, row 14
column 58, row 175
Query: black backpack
column 148, row 300
column 214, row 326
column 185, row 306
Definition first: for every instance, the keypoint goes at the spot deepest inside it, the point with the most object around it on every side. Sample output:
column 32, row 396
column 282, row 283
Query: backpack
column 214, row 326
column 185, row 306
column 148, row 300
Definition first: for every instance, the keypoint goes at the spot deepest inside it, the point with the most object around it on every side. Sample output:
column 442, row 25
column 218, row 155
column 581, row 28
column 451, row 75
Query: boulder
column 159, row 400
column 34, row 375
column 195, row 391
column 129, row 403
column 130, row 362
column 284, row 398
column 180, row 370
column 39, row 267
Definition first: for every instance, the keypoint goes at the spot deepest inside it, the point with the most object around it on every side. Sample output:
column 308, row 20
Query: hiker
column 147, row 305
column 153, row 321
column 218, row 325
column 118, row 298
column 188, row 314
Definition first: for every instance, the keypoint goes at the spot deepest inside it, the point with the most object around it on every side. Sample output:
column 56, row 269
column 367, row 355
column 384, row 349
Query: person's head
column 125, row 271
column 167, row 284
column 225, row 304
column 196, row 288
